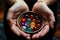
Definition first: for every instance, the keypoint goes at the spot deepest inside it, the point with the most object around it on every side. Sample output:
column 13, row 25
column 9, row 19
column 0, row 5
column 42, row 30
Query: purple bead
column 23, row 24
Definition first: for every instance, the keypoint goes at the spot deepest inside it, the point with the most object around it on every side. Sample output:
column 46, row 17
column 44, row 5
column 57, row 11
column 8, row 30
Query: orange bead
column 32, row 25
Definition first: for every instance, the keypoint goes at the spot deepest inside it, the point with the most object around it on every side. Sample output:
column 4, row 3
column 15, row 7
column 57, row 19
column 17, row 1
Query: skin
column 41, row 7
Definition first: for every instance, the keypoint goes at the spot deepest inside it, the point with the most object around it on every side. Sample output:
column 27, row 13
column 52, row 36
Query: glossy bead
column 38, row 26
column 24, row 28
column 26, row 15
column 36, row 17
column 22, row 24
column 28, row 20
column 34, row 20
column 32, row 25
column 29, row 30
column 35, row 29
column 23, row 20
column 27, row 25
column 31, row 17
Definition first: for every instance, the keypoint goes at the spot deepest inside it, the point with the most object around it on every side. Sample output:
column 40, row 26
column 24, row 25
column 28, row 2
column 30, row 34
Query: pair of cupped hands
column 39, row 7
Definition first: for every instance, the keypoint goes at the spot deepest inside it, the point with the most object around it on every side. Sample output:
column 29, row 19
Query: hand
column 12, row 15
column 47, row 14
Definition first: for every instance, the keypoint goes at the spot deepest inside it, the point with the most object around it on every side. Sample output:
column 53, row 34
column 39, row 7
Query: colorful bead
column 29, row 30
column 36, row 17
column 23, row 20
column 24, row 28
column 26, row 15
column 35, row 28
column 32, row 25
column 31, row 17
column 28, row 20
column 38, row 26
column 27, row 25
column 22, row 24
column 34, row 20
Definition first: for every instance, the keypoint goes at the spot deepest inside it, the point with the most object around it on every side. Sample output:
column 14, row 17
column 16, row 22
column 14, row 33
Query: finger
column 18, row 32
column 27, row 36
column 16, row 15
column 35, row 36
column 44, row 31
column 51, row 24
column 15, row 30
column 13, row 21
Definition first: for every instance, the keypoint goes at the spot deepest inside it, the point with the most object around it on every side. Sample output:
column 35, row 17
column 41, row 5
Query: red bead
column 35, row 29
column 23, row 20
column 31, row 17
column 38, row 26
column 34, row 20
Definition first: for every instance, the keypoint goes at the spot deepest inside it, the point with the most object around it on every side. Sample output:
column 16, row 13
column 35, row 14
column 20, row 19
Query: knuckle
column 25, row 7
column 36, row 7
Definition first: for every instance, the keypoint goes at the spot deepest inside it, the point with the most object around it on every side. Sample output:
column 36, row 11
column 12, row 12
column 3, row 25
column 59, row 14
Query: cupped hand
column 13, row 12
column 47, row 14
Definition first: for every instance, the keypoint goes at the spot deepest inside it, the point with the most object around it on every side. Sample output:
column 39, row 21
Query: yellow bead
column 32, row 25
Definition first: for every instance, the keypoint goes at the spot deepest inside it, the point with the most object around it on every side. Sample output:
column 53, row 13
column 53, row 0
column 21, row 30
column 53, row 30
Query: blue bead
column 27, row 25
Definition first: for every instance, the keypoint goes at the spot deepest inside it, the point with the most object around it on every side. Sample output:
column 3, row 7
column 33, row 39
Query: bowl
column 30, row 22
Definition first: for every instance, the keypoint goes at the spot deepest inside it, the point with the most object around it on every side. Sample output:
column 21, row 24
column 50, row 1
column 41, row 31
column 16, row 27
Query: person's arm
column 48, row 2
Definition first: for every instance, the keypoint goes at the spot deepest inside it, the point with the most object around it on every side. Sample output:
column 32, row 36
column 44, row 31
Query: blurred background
column 2, row 35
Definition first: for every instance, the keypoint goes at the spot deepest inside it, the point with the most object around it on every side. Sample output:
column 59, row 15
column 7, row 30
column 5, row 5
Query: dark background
column 2, row 35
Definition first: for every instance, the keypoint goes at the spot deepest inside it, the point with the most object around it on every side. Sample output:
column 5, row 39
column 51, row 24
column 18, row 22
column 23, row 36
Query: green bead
column 28, row 20
column 29, row 30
